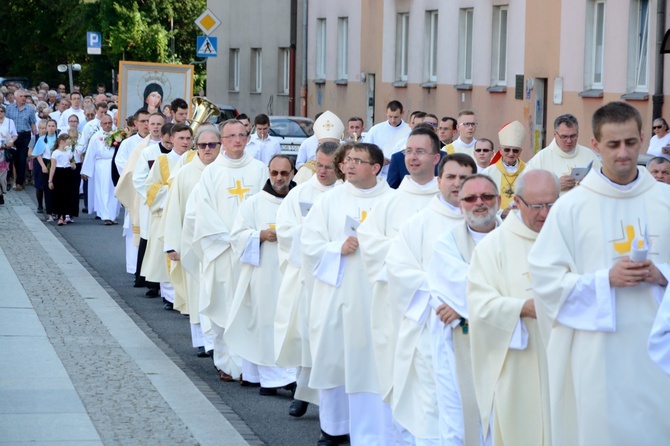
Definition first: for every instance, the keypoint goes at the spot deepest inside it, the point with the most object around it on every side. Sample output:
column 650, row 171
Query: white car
column 291, row 131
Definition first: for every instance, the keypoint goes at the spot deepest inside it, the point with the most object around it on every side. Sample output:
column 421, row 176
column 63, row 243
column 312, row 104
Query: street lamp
column 69, row 68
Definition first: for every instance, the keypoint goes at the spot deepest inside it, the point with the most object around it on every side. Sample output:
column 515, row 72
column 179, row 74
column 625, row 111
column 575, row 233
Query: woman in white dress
column 660, row 139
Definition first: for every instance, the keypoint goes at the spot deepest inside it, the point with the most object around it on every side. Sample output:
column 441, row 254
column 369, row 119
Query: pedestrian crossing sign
column 206, row 46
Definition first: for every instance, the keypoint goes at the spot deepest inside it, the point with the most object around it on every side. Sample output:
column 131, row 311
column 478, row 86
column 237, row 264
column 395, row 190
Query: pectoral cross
column 508, row 192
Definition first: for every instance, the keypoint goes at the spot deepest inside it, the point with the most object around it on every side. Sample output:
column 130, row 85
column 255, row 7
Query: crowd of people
column 419, row 283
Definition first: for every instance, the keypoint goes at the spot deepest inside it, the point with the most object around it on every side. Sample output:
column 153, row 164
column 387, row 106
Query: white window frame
column 638, row 47
column 320, row 48
column 465, row 45
column 430, row 47
column 402, row 46
column 284, row 70
column 499, row 46
column 256, row 70
column 342, row 48
column 234, row 70
column 595, row 44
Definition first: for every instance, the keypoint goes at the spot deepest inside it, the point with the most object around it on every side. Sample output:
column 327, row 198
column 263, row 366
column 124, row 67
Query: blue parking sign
column 94, row 42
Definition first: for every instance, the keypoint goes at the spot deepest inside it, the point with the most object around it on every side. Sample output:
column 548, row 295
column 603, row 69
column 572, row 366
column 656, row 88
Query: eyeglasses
column 507, row 150
column 207, row 145
column 468, row 124
column 323, row 166
column 284, row 173
column 483, row 150
column 238, row 135
column 567, row 137
column 357, row 161
column 656, row 127
column 432, row 124
column 487, row 198
column 536, row 207
column 418, row 152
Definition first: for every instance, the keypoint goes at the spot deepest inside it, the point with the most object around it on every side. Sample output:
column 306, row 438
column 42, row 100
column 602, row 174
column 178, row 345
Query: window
column 321, row 48
column 638, row 53
column 499, row 47
column 402, row 36
column 284, row 70
column 234, row 69
column 466, row 21
column 342, row 48
column 256, row 70
column 594, row 44
column 430, row 47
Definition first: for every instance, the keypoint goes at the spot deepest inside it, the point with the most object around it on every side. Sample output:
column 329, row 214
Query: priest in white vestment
column 563, row 153
column 466, row 124
column 343, row 365
column 291, row 324
column 459, row 415
column 508, row 356
column 250, row 327
column 328, row 127
column 159, row 142
column 599, row 269
column 422, row 153
column 156, row 261
column 414, row 401
column 232, row 178
column 130, row 232
column 185, row 282
column 98, row 168
column 388, row 133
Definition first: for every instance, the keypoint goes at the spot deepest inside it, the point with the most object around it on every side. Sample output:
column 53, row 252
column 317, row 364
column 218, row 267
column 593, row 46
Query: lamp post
column 69, row 68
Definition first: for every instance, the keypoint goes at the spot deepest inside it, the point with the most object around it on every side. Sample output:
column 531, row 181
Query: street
column 102, row 251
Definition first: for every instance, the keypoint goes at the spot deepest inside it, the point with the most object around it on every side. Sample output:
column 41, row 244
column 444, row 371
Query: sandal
column 108, row 223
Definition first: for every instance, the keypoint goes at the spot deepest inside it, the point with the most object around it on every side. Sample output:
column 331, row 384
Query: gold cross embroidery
column 328, row 125
column 238, row 190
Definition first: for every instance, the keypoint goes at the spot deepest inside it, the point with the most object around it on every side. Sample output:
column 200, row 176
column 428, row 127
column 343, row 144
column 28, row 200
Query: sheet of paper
column 305, row 207
column 351, row 227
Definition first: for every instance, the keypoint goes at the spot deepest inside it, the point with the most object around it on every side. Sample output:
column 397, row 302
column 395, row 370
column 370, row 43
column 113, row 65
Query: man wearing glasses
column 417, row 189
column 343, row 363
column 450, row 340
column 483, row 153
column 292, row 317
column 184, row 269
column 250, row 330
column 226, row 183
column 467, row 125
column 564, row 153
column 508, row 168
column 508, row 359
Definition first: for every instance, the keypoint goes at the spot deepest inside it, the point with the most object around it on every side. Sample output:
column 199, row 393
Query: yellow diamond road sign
column 207, row 22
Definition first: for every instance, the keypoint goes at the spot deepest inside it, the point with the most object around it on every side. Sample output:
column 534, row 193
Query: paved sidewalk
column 74, row 368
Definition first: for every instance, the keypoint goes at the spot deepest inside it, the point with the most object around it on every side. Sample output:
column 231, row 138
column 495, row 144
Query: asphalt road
column 103, row 249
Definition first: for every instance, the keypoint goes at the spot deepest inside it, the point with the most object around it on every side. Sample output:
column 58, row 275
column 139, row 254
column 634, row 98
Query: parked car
column 227, row 112
column 16, row 79
column 291, row 131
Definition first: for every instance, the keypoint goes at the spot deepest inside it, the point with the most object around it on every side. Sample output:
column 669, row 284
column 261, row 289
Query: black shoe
column 332, row 440
column 267, row 391
column 291, row 388
column 84, row 211
column 2, row 199
column 168, row 306
column 151, row 293
column 202, row 353
column 40, row 210
column 244, row 383
column 139, row 283
column 298, row 408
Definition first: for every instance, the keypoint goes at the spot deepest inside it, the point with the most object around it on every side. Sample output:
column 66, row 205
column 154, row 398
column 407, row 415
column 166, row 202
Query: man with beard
column 508, row 356
column 457, row 404
column 250, row 328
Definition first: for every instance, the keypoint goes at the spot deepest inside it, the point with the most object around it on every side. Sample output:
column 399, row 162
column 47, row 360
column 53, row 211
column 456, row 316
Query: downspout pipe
column 660, row 60
column 303, row 80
